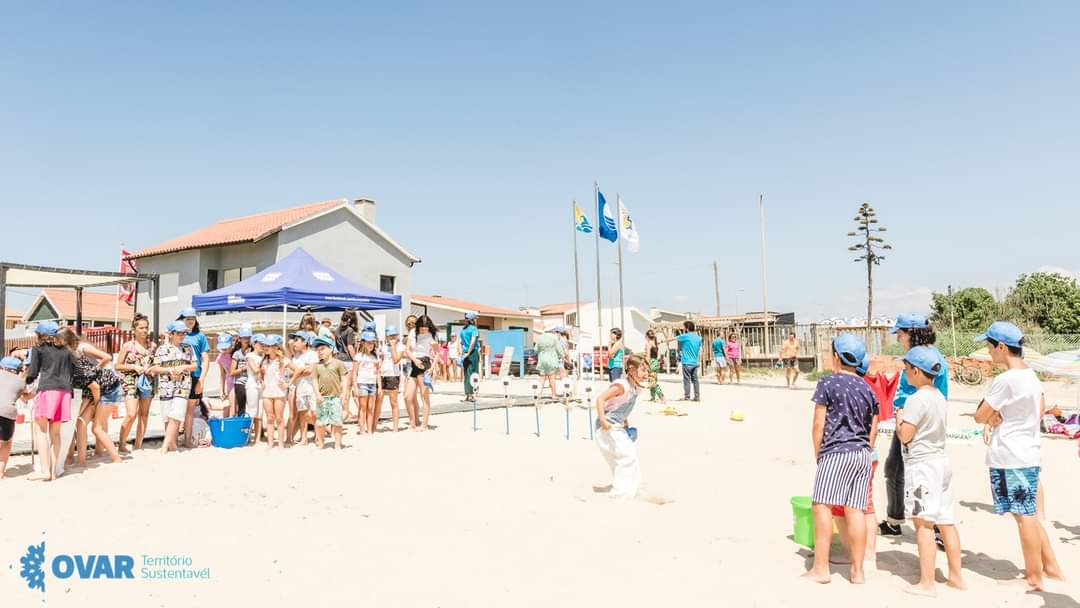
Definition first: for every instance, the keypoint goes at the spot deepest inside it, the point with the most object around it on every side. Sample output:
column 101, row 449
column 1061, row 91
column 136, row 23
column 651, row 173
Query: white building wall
column 633, row 333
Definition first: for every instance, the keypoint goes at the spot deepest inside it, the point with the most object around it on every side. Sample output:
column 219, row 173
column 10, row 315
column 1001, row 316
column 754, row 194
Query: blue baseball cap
column 224, row 340
column 12, row 363
column 298, row 334
column 368, row 326
column 471, row 316
column 176, row 327
column 259, row 338
column 850, row 348
column 245, row 331
column 924, row 358
column 864, row 366
column 187, row 312
column 48, row 328
column 276, row 340
column 324, row 341
column 1004, row 332
column 391, row 330
column 368, row 336
column 912, row 320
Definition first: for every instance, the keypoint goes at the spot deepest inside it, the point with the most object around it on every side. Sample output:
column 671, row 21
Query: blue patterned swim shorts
column 1015, row 490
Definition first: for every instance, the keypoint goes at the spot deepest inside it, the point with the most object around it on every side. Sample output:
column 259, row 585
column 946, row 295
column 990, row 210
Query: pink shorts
column 53, row 405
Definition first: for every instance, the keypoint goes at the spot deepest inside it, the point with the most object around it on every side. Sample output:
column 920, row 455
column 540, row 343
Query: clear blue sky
column 474, row 125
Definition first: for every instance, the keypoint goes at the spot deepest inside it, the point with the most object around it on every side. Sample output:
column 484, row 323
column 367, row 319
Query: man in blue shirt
column 470, row 353
column 689, row 357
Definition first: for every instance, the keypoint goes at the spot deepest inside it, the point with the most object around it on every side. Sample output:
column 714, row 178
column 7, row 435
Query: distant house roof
column 97, row 306
column 254, row 228
column 464, row 306
column 558, row 309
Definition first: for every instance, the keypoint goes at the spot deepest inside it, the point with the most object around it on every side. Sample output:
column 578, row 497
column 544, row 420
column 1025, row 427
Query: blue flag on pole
column 605, row 220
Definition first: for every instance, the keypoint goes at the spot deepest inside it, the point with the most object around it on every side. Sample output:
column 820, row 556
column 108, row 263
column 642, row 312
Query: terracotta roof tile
column 246, row 229
column 481, row 309
column 96, row 305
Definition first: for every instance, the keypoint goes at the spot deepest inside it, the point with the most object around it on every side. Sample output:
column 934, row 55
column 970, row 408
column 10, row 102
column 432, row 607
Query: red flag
column 127, row 290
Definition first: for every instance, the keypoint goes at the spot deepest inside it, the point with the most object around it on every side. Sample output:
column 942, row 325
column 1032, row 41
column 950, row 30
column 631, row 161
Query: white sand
column 456, row 518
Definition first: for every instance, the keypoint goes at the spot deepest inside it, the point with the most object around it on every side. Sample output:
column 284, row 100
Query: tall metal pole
column 764, row 274
column 599, row 305
column 952, row 321
column 577, row 293
column 618, row 245
column 716, row 285
column 3, row 308
column 78, row 311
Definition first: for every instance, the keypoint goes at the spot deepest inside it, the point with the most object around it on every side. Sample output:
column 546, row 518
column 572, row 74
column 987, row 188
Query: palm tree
column 869, row 243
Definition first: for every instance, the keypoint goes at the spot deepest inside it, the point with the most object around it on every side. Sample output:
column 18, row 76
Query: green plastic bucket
column 802, row 507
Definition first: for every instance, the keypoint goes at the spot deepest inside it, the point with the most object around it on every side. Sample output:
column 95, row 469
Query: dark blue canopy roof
column 299, row 282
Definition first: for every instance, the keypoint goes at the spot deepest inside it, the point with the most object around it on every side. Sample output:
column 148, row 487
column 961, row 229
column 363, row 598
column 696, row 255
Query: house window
column 211, row 280
column 232, row 275
column 386, row 283
column 247, row 272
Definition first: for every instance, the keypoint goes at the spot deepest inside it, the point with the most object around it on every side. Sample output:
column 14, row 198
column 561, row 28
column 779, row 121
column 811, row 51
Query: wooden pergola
column 25, row 275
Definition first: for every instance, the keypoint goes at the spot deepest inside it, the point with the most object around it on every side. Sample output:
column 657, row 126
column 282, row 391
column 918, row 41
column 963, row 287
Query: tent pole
column 3, row 307
column 284, row 320
column 156, row 286
column 78, row 311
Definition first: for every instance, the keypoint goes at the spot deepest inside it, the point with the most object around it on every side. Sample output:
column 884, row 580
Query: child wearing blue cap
column 845, row 416
column 52, row 365
column 365, row 379
column 254, row 401
column 272, row 376
column 201, row 348
column 928, row 496
column 330, row 373
column 12, row 388
column 391, row 353
column 302, row 384
column 911, row 330
column 1012, row 408
column 174, row 362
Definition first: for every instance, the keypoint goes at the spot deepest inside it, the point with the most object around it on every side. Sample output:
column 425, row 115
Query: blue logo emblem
column 33, row 567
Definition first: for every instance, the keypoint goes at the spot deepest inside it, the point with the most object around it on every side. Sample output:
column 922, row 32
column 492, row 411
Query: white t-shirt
column 253, row 359
column 927, row 410
column 366, row 367
column 11, row 385
column 388, row 367
column 306, row 384
column 1017, row 396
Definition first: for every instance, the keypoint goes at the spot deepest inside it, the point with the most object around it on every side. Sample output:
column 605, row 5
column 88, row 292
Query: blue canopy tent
column 298, row 282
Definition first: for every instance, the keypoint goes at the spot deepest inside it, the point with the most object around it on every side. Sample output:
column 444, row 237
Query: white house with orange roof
column 99, row 309
column 446, row 311
column 340, row 233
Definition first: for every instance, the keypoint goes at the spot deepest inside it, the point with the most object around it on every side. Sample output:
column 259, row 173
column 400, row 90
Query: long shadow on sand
column 990, row 567
column 843, row 570
column 1074, row 530
column 901, row 564
column 977, row 506
column 1055, row 600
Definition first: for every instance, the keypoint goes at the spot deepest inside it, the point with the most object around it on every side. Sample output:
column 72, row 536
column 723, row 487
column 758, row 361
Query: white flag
column 627, row 228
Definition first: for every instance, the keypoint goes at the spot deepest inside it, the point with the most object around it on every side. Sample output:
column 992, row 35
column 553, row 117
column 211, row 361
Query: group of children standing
column 845, row 429
column 285, row 386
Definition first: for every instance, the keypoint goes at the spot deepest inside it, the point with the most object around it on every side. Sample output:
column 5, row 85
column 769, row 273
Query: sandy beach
column 454, row 517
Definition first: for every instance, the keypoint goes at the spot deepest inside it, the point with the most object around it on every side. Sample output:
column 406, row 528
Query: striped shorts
column 843, row 479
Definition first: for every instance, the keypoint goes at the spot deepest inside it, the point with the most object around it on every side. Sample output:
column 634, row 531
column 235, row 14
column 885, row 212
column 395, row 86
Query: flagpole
column 116, row 304
column 599, row 305
column 577, row 292
column 618, row 245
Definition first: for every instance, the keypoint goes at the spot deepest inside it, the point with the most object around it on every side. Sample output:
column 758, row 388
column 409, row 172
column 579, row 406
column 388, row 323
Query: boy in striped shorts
column 845, row 414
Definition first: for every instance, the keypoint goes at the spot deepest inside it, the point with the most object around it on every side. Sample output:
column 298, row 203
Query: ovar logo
column 33, row 566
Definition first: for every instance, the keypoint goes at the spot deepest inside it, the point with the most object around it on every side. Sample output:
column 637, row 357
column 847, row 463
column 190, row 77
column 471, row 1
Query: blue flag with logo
column 606, row 221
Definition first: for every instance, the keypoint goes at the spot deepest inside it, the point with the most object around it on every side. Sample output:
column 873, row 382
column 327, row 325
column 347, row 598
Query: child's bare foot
column 857, row 578
column 957, row 583
column 822, row 578
column 921, row 590
column 1055, row 574
column 38, row 477
column 1023, row 583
